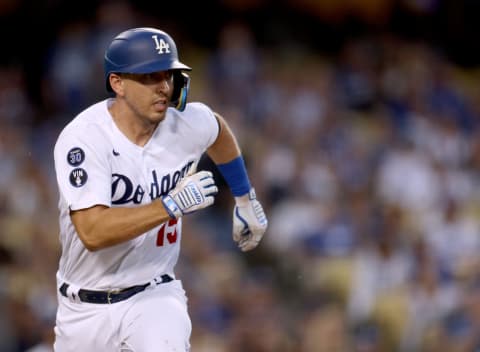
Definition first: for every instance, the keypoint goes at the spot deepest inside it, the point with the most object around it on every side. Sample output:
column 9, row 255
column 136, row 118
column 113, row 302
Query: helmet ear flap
column 181, row 85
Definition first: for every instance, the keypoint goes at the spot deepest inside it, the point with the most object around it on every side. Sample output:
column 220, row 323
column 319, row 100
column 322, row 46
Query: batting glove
column 194, row 192
column 249, row 221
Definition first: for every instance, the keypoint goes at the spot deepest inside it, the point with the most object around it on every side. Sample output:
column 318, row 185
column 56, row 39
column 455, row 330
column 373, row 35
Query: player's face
column 148, row 95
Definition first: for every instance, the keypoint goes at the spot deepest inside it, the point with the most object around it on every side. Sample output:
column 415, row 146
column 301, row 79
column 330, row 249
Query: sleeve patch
column 78, row 177
column 75, row 156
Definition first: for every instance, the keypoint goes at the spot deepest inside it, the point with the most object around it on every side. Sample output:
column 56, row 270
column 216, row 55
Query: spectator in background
column 66, row 83
column 234, row 68
column 7, row 334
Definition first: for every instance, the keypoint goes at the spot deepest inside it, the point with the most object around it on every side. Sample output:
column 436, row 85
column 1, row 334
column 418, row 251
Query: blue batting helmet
column 147, row 50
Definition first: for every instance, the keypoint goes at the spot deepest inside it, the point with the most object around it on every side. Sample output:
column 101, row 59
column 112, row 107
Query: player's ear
column 116, row 82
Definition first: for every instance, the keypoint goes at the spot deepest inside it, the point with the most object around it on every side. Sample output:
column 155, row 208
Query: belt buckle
column 109, row 293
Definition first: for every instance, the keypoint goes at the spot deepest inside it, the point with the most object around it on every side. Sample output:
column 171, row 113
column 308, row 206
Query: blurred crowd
column 367, row 164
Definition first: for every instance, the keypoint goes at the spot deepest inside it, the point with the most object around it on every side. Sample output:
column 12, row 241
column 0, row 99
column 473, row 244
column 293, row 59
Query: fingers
column 237, row 236
column 247, row 237
column 248, row 243
column 204, row 174
column 240, row 233
column 207, row 183
column 209, row 200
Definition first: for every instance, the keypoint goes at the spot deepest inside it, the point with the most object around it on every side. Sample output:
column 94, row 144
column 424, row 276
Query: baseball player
column 126, row 172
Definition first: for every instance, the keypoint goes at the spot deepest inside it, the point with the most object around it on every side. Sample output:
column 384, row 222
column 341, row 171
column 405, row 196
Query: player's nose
column 162, row 80
column 163, row 85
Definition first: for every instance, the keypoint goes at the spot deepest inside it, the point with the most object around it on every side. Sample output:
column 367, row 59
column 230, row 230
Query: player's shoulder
column 200, row 121
column 196, row 115
column 197, row 108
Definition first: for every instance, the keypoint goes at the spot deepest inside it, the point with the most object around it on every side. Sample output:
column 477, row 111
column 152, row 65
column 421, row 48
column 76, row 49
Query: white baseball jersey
column 97, row 165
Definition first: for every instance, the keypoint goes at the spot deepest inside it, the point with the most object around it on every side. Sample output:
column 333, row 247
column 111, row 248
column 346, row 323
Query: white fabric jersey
column 96, row 164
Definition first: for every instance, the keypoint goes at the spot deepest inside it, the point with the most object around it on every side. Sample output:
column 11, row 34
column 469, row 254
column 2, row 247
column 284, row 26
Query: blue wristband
column 235, row 174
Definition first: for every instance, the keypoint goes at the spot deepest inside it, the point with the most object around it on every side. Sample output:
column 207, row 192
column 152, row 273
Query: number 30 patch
column 75, row 156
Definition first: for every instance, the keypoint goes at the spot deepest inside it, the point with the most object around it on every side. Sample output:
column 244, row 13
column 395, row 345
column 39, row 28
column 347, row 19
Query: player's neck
column 138, row 131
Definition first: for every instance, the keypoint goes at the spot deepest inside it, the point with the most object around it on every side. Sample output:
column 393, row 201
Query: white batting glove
column 249, row 221
column 194, row 192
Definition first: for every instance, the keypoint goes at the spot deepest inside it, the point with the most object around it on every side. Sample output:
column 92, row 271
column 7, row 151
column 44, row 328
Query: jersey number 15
column 168, row 230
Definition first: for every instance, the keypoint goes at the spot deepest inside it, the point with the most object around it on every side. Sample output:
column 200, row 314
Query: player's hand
column 249, row 221
column 194, row 192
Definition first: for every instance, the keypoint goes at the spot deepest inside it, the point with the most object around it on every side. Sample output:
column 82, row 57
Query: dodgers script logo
column 161, row 45
column 125, row 191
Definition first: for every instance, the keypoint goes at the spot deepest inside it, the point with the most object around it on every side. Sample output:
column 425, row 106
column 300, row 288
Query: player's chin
column 157, row 118
column 159, row 114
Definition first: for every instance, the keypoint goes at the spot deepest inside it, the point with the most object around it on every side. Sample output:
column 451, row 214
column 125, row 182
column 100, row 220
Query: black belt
column 104, row 297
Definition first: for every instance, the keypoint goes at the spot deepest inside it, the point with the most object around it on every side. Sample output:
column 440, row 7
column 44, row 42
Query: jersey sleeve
column 206, row 124
column 82, row 167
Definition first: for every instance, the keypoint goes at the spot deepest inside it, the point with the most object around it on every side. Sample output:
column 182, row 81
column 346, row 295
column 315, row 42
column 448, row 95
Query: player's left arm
column 249, row 220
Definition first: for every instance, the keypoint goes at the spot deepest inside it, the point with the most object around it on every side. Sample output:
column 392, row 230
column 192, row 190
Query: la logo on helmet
column 161, row 45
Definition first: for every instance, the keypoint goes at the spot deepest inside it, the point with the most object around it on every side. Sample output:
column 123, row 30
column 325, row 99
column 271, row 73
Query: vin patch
column 78, row 177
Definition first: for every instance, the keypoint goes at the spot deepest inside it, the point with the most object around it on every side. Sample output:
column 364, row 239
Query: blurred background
column 359, row 121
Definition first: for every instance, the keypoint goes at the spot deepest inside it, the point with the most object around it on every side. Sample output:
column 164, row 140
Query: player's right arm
column 85, row 183
column 101, row 226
